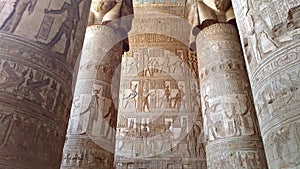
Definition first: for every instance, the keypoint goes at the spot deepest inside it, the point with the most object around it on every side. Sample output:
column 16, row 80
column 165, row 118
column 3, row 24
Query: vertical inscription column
column 230, row 124
column 270, row 38
column 39, row 44
column 91, row 134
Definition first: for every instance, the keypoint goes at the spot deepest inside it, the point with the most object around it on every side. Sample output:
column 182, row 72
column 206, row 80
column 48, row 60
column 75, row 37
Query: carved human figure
column 165, row 66
column 132, row 96
column 232, row 114
column 68, row 26
column 178, row 98
column 211, row 128
column 149, row 67
column 133, row 65
column 195, row 98
column 98, row 9
column 93, row 108
column 145, row 100
column 213, row 11
column 192, row 142
column 11, row 23
column 166, row 97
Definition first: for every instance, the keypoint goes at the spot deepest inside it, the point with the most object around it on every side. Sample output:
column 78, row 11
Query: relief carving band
column 202, row 83
column 92, row 127
column 228, row 113
column 157, row 120
column 274, row 75
column 35, row 86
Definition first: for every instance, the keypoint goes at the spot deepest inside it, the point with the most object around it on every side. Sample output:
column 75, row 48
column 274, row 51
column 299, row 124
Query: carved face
column 222, row 5
column 103, row 5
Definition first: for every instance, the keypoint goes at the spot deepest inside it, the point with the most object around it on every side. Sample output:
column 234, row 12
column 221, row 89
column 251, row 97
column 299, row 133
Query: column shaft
column 91, row 133
column 230, row 123
column 38, row 51
column 271, row 46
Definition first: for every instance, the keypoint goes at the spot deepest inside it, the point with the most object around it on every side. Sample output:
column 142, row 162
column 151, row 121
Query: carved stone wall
column 37, row 58
column 229, row 118
column 269, row 32
column 159, row 118
column 91, row 133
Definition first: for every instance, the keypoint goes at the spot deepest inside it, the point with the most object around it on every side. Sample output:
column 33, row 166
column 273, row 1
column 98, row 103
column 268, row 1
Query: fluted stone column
column 91, row 134
column 39, row 46
column 230, row 124
column 269, row 32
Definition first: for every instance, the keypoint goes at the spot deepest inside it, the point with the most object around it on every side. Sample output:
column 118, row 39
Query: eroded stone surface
column 229, row 119
column 91, row 134
column 270, row 37
column 37, row 58
column 159, row 118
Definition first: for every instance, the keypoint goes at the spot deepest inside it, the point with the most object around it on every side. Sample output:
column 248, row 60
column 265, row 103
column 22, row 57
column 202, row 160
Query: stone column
column 230, row 124
column 91, row 134
column 269, row 33
column 39, row 46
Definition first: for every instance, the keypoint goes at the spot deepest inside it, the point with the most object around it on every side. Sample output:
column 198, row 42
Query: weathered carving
column 11, row 23
column 158, row 122
column 68, row 26
column 94, row 114
column 98, row 9
column 228, row 114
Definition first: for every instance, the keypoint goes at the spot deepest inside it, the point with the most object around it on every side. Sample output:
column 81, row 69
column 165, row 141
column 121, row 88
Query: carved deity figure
column 11, row 23
column 68, row 26
column 212, row 11
column 132, row 96
column 132, row 67
column 145, row 100
column 178, row 98
column 195, row 98
column 211, row 127
column 93, row 108
column 98, row 9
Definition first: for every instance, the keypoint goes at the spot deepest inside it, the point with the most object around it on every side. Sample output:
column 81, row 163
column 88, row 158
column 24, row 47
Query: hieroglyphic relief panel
column 171, row 26
column 159, row 106
column 272, row 54
column 277, row 102
column 91, row 131
column 229, row 118
column 36, row 90
column 266, row 26
column 173, row 7
column 56, row 26
column 28, row 137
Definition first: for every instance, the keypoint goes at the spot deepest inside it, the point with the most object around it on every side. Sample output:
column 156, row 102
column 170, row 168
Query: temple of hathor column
column 149, row 84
